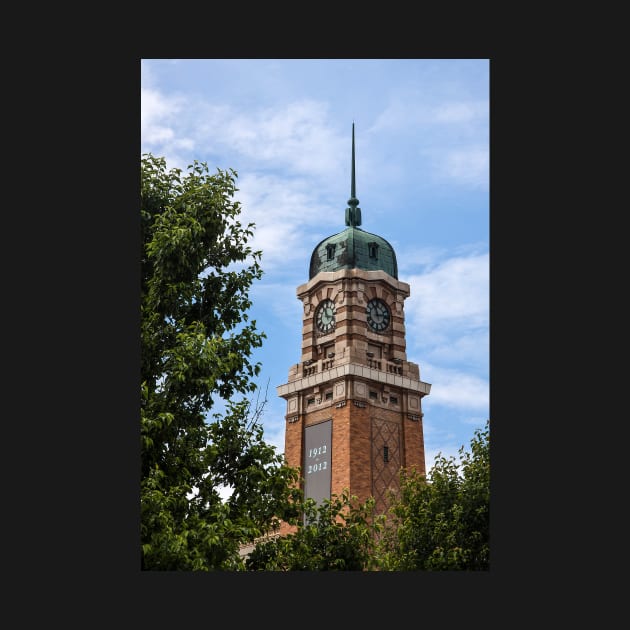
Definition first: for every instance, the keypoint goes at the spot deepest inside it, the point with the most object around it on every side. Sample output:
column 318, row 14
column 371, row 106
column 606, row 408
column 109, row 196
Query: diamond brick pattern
column 385, row 473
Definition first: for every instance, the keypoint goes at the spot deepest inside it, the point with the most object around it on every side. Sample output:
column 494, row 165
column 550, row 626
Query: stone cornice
column 360, row 274
column 353, row 369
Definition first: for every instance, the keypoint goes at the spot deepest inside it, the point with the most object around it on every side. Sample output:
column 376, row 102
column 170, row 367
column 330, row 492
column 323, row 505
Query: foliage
column 335, row 535
column 442, row 524
column 432, row 525
column 196, row 347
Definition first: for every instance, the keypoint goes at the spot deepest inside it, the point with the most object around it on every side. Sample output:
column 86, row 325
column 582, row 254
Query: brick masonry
column 362, row 381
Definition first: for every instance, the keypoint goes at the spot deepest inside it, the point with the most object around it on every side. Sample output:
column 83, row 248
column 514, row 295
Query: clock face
column 325, row 316
column 378, row 315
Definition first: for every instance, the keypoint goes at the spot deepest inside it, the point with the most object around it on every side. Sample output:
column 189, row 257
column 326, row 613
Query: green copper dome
column 353, row 248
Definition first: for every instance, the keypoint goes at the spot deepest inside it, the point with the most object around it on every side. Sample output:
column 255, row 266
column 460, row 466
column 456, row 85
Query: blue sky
column 422, row 180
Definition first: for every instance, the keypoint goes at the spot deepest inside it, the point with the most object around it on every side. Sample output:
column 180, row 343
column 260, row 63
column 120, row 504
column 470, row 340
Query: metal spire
column 353, row 213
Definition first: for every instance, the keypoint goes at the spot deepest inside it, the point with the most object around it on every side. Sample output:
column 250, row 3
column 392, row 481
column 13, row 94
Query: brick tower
column 354, row 401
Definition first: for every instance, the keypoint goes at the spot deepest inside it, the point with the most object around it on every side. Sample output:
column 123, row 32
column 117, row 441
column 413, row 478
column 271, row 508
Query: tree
column 442, row 524
column 336, row 535
column 196, row 348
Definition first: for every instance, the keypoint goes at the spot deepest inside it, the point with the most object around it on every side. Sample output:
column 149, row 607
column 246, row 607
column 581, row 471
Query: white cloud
column 455, row 293
column 287, row 215
column 410, row 257
column 156, row 110
column 468, row 349
column 405, row 114
column 161, row 131
column 447, row 322
column 460, row 112
column 468, row 166
column 456, row 389
column 446, row 136
column 400, row 115
column 297, row 139
column 297, row 136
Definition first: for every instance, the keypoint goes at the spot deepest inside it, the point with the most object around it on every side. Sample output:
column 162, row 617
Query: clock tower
column 353, row 402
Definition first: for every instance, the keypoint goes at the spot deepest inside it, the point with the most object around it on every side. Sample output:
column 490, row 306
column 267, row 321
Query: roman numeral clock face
column 325, row 316
column 378, row 315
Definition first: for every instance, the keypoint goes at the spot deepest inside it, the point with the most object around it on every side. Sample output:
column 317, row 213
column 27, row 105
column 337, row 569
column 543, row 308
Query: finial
column 353, row 213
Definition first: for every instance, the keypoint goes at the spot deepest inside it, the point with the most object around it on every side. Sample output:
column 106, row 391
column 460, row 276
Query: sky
column 422, row 180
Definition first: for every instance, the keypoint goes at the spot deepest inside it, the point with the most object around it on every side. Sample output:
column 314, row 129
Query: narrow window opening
column 330, row 252
column 373, row 250
column 385, row 454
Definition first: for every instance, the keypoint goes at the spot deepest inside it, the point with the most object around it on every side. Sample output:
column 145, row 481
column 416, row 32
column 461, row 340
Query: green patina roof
column 353, row 248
